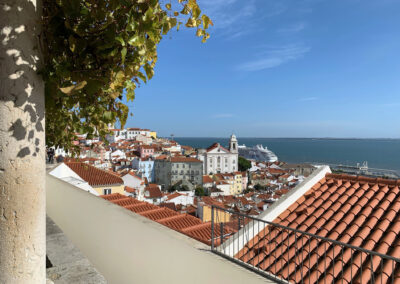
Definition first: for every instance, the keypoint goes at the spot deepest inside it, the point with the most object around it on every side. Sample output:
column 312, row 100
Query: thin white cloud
column 275, row 57
column 222, row 115
column 293, row 28
column 233, row 18
column 226, row 13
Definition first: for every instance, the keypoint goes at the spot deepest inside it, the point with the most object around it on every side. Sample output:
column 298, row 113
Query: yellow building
column 237, row 185
column 205, row 211
column 108, row 189
column 153, row 134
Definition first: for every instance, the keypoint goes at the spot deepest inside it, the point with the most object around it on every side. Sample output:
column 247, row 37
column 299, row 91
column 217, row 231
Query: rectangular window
column 107, row 191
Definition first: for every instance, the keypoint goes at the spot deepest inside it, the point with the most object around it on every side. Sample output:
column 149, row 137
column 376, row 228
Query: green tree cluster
column 244, row 164
column 200, row 191
column 97, row 50
column 178, row 187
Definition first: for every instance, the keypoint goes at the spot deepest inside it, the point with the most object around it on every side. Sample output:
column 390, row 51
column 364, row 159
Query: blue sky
column 279, row 68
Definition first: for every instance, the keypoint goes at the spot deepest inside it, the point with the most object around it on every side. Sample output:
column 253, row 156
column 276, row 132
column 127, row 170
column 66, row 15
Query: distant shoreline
column 380, row 153
column 308, row 138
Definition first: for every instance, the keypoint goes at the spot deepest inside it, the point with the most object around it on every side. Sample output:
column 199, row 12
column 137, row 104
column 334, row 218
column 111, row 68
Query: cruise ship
column 258, row 153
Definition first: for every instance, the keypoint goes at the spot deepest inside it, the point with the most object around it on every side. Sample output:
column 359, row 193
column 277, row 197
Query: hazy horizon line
column 331, row 138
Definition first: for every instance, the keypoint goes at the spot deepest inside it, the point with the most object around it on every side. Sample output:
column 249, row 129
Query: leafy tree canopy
column 94, row 50
column 244, row 164
column 200, row 191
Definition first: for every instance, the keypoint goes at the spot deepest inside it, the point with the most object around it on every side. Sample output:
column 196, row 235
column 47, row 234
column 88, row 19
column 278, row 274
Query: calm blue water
column 380, row 153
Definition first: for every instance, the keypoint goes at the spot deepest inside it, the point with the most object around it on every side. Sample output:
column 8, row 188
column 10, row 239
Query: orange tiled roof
column 153, row 191
column 181, row 159
column 183, row 223
column 216, row 145
column 360, row 211
column 93, row 175
column 129, row 189
column 207, row 179
column 173, row 195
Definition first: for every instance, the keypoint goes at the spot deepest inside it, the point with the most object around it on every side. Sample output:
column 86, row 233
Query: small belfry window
column 107, row 191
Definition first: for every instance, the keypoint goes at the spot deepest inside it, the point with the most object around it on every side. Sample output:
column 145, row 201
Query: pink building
column 146, row 151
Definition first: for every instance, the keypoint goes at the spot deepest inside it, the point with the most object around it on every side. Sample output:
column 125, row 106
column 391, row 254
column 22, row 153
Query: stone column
column 22, row 145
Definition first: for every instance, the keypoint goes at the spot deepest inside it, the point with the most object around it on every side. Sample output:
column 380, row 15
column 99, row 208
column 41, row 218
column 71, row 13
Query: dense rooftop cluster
column 183, row 223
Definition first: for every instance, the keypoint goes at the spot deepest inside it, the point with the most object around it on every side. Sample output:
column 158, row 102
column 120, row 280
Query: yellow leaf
column 70, row 89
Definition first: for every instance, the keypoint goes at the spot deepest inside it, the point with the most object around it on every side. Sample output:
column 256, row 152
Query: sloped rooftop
column 360, row 211
column 183, row 223
column 93, row 175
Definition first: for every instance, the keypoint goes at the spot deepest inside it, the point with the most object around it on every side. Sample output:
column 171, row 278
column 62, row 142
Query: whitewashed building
column 217, row 159
column 65, row 173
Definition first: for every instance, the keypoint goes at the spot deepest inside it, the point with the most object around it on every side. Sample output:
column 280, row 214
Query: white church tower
column 233, row 145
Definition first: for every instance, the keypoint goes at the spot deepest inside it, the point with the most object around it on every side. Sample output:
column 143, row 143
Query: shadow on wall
column 21, row 88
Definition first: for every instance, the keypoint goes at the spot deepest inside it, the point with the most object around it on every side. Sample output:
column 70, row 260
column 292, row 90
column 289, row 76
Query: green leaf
column 149, row 71
column 142, row 77
column 120, row 40
column 135, row 40
column 123, row 54
column 107, row 115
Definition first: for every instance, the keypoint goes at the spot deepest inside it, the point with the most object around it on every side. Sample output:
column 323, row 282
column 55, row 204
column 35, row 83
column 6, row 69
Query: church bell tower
column 233, row 145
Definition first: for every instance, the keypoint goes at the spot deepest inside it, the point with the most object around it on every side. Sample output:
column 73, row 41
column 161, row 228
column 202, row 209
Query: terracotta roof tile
column 113, row 196
column 124, row 202
column 169, row 205
column 207, row 179
column 93, row 175
column 152, row 191
column 216, row 145
column 183, row 223
column 202, row 232
column 159, row 213
column 180, row 222
column 173, row 195
column 129, row 189
column 360, row 211
column 184, row 160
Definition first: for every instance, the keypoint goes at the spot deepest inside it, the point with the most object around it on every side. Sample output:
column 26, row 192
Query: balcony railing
column 285, row 254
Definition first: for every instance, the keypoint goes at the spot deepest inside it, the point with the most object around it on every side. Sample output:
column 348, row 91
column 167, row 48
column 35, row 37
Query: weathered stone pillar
column 22, row 145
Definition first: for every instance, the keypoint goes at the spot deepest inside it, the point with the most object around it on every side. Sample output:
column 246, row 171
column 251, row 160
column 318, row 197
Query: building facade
column 171, row 170
column 217, row 159
column 145, row 167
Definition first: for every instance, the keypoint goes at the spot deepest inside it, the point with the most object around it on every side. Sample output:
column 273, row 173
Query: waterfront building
column 217, row 159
